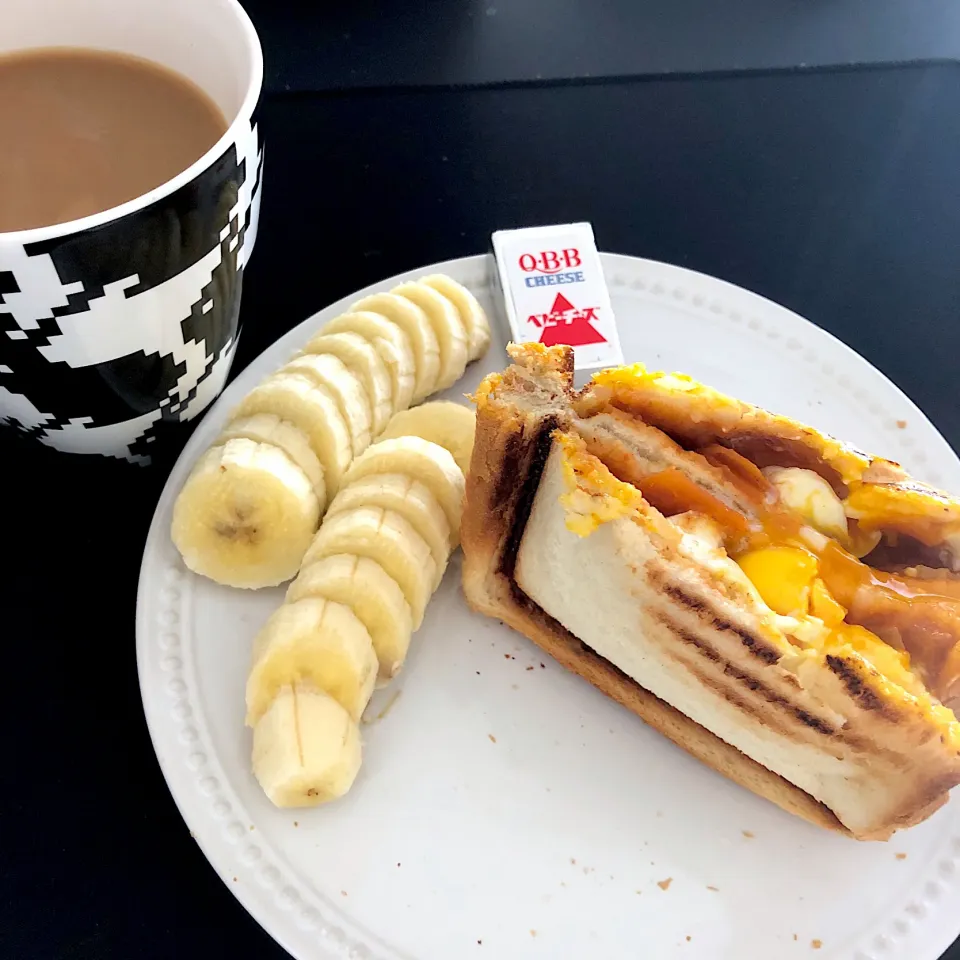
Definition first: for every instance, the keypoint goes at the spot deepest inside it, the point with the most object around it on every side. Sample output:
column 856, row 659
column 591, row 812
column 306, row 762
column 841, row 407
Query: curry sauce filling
column 827, row 558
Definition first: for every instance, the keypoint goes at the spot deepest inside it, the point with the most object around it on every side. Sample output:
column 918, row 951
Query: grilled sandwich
column 778, row 603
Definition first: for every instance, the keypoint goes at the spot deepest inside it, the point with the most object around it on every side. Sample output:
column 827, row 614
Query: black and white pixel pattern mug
column 116, row 323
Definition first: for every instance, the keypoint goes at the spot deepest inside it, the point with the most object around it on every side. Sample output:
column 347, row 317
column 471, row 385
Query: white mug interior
column 211, row 42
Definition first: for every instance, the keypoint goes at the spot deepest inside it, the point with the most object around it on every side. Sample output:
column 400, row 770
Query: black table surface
column 835, row 193
column 383, row 43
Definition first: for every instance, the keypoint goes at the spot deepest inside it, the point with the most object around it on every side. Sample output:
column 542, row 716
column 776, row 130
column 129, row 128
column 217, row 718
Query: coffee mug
column 115, row 324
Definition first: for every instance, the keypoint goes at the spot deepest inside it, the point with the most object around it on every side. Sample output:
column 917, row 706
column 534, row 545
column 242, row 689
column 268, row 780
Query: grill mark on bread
column 513, row 451
column 708, row 652
column 804, row 716
column 518, row 450
column 691, row 639
column 757, row 647
column 751, row 682
column 866, row 698
column 757, row 715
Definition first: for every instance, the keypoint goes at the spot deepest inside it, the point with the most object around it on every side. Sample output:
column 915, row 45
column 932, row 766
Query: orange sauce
column 671, row 491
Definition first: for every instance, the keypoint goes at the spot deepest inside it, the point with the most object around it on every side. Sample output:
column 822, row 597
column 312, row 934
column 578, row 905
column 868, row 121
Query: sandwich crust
column 819, row 736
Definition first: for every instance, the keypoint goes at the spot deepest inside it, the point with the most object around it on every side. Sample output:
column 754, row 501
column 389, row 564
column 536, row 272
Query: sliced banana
column 306, row 749
column 245, row 516
column 383, row 536
column 268, row 428
column 416, row 325
column 427, row 462
column 451, row 425
column 391, row 343
column 450, row 330
column 374, row 596
column 408, row 497
column 318, row 641
column 471, row 313
column 360, row 356
column 329, row 372
column 312, row 409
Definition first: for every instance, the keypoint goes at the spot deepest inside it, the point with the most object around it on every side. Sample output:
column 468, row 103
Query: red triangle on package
column 561, row 304
column 578, row 333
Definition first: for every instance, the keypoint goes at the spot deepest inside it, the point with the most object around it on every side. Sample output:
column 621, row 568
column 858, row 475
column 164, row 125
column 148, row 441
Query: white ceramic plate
column 505, row 808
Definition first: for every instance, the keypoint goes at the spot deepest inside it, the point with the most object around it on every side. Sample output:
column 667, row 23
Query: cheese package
column 554, row 291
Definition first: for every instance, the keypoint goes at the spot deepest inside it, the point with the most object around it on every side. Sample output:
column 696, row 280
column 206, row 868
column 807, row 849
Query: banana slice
column 374, row 596
column 267, row 428
column 451, row 425
column 471, row 313
column 383, row 536
column 449, row 328
column 331, row 374
column 306, row 749
column 312, row 409
column 427, row 462
column 315, row 640
column 245, row 516
column 408, row 497
column 416, row 325
column 391, row 343
column 360, row 356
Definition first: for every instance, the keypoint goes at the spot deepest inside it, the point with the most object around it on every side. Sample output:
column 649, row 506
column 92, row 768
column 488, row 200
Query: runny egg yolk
column 824, row 607
column 787, row 580
column 783, row 577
